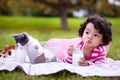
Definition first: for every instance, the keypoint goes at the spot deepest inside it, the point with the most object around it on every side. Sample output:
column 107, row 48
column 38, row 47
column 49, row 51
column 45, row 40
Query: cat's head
column 21, row 38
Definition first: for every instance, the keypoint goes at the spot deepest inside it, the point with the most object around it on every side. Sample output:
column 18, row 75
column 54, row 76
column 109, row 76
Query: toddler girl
column 95, row 33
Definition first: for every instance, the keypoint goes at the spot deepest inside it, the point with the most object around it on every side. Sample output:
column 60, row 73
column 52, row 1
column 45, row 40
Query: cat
column 34, row 50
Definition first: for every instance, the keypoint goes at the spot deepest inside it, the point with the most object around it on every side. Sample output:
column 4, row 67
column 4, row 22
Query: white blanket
column 111, row 68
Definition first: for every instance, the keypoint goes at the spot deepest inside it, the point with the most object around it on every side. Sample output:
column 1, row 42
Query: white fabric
column 110, row 68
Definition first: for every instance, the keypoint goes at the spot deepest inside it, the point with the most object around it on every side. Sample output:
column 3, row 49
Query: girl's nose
column 90, row 36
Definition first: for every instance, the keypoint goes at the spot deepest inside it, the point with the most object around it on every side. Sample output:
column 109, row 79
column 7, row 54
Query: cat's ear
column 26, row 34
column 13, row 35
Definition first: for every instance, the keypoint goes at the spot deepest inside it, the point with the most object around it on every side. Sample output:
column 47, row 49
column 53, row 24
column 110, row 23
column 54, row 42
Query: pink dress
column 59, row 47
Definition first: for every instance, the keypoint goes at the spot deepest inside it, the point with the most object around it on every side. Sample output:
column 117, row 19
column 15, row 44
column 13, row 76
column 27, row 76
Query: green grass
column 43, row 29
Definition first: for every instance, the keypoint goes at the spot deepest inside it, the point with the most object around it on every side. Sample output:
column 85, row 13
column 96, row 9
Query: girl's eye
column 96, row 35
column 87, row 32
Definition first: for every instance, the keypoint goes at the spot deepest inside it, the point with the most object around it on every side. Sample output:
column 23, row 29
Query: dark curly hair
column 100, row 24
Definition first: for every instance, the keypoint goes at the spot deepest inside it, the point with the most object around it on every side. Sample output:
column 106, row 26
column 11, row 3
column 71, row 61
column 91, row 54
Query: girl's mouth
column 89, row 41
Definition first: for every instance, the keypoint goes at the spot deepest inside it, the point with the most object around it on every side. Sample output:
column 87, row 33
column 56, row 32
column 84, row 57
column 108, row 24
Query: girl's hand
column 70, row 49
column 83, row 62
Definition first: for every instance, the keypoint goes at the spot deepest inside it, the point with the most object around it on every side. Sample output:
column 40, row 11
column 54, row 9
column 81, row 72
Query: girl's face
column 91, row 36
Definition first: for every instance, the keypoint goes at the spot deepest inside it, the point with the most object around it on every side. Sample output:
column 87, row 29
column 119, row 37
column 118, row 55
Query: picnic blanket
column 110, row 68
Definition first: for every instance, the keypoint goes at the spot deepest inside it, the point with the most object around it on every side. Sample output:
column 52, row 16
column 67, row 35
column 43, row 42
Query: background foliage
column 61, row 8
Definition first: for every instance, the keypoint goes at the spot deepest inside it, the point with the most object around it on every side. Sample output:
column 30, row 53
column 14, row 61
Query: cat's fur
column 35, row 52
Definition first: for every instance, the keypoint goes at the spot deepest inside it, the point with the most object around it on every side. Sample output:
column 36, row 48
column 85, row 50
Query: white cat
column 34, row 50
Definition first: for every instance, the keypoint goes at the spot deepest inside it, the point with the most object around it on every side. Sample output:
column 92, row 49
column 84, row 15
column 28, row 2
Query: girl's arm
column 98, row 59
column 68, row 58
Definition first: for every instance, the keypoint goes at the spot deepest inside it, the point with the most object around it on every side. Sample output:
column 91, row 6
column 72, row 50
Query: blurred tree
column 21, row 7
column 61, row 7
column 58, row 7
column 4, row 8
column 104, row 8
column 16, row 7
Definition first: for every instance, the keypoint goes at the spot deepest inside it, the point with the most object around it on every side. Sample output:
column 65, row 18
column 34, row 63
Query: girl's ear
column 101, row 43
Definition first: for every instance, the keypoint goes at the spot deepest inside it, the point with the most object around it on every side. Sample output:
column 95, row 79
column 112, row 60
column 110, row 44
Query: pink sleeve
column 101, row 57
column 68, row 59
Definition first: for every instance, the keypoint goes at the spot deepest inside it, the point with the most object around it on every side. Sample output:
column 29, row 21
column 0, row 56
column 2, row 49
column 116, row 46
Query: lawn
column 43, row 29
